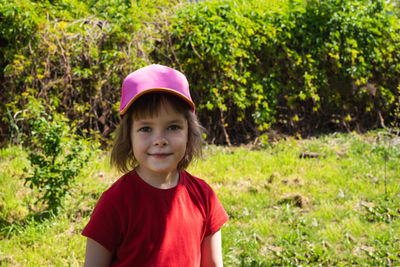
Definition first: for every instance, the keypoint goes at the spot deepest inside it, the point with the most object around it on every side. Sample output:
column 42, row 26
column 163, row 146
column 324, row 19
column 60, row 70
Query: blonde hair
column 150, row 105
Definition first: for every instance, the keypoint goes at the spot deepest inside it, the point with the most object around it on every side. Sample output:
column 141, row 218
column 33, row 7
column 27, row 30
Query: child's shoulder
column 199, row 183
column 192, row 178
column 119, row 187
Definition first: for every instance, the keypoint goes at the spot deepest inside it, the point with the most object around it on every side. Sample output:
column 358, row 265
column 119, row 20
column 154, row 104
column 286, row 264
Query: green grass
column 284, row 210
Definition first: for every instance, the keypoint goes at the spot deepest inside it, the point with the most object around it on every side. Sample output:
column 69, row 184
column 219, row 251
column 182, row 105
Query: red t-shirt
column 146, row 226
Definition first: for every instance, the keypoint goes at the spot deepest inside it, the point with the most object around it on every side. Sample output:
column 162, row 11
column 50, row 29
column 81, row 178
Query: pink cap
column 153, row 78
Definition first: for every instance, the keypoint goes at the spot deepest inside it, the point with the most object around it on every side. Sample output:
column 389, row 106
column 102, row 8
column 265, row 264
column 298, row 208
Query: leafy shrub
column 80, row 54
column 18, row 23
column 55, row 155
column 347, row 53
column 307, row 66
column 328, row 64
column 215, row 43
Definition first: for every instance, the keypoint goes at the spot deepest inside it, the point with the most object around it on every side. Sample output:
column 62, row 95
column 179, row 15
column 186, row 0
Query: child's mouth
column 160, row 155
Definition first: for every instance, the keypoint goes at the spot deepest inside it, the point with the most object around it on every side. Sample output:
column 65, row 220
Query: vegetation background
column 260, row 71
column 299, row 67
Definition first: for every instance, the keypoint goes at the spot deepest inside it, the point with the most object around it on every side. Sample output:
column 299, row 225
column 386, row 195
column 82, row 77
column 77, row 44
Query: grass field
column 339, row 206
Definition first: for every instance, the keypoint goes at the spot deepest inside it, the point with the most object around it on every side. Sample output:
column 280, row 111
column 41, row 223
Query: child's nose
column 160, row 140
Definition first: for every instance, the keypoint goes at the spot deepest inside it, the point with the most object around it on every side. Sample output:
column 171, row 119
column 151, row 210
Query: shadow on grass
column 15, row 227
column 7, row 228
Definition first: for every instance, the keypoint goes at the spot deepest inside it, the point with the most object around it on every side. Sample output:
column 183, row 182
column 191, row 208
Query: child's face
column 159, row 142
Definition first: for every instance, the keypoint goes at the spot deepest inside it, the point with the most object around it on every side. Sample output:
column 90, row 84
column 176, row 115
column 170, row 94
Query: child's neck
column 159, row 180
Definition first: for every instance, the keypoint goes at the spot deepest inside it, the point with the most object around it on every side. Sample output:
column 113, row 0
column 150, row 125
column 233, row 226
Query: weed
column 384, row 211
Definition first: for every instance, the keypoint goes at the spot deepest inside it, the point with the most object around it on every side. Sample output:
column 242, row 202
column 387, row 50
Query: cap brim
column 164, row 90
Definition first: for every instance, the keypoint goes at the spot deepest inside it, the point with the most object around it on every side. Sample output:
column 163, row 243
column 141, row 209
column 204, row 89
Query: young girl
column 157, row 214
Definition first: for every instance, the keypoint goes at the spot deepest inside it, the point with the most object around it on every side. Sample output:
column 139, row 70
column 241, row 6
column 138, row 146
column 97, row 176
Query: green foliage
column 19, row 21
column 328, row 64
column 75, row 56
column 215, row 43
column 54, row 154
column 299, row 66
column 383, row 211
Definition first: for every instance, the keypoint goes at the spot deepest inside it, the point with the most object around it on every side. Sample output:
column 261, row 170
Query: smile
column 160, row 155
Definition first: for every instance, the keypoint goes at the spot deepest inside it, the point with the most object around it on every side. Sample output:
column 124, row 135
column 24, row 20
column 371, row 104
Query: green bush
column 347, row 54
column 18, row 24
column 77, row 56
column 215, row 43
column 299, row 66
column 322, row 65
column 56, row 156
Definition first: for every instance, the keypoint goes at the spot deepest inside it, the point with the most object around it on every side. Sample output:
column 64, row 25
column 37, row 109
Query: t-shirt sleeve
column 104, row 224
column 217, row 215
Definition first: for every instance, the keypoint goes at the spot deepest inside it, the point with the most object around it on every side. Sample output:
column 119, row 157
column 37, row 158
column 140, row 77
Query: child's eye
column 174, row 127
column 145, row 129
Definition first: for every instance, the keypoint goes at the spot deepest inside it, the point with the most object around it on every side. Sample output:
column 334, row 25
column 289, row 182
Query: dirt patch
column 295, row 199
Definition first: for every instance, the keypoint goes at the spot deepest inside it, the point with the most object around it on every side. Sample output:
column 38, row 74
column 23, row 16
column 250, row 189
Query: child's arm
column 211, row 252
column 96, row 254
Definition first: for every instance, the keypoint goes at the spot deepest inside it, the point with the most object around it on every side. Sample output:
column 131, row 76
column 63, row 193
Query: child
column 157, row 214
